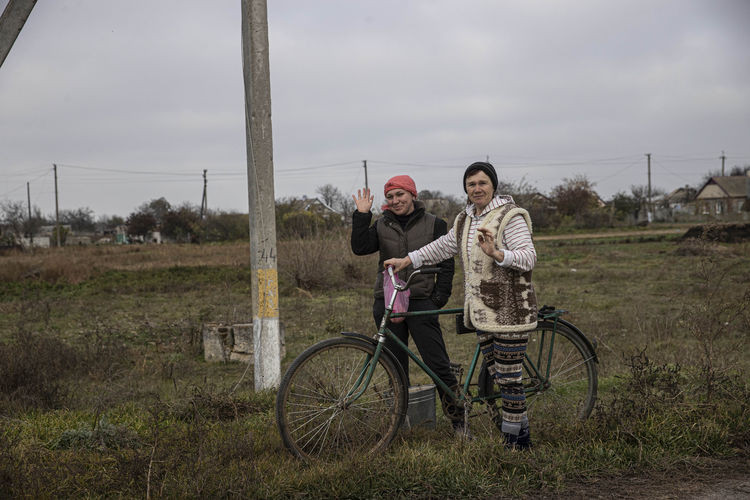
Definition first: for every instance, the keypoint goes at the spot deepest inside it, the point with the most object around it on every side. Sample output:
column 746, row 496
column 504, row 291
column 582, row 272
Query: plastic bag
column 402, row 299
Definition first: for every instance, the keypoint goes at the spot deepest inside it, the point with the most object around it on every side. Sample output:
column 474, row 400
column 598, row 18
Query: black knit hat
column 485, row 167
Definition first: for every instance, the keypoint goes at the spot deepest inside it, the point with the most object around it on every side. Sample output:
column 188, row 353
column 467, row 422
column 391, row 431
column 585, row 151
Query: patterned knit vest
column 496, row 298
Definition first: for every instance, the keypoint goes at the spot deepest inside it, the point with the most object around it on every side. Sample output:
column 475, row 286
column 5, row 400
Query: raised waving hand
column 363, row 199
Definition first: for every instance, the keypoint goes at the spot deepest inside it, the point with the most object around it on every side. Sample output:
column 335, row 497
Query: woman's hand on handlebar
column 398, row 263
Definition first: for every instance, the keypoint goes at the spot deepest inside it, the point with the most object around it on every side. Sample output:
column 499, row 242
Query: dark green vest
column 395, row 241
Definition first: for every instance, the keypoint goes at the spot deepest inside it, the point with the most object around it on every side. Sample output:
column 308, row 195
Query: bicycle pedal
column 457, row 370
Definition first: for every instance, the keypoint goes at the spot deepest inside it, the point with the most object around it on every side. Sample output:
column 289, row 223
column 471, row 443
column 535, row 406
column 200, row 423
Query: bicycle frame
column 343, row 396
column 530, row 365
column 363, row 380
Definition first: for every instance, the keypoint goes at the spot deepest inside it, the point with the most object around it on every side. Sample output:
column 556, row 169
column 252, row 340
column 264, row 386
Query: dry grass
column 77, row 264
column 307, row 263
column 139, row 412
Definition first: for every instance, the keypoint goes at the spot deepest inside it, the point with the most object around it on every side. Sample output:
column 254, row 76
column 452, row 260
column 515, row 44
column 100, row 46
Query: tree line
column 571, row 204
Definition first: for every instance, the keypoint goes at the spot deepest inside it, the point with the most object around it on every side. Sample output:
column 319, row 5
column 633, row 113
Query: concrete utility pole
column 265, row 290
column 204, row 201
column 11, row 22
column 57, row 211
column 364, row 162
column 648, row 155
column 28, row 202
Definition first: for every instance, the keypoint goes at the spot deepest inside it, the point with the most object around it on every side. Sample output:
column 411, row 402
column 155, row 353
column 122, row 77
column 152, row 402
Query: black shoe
column 520, row 441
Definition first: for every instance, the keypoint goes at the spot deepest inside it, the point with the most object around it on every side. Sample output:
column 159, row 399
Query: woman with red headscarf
column 406, row 226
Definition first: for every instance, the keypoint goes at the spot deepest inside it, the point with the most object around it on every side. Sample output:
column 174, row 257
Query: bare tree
column 332, row 197
column 574, row 197
column 521, row 191
column 738, row 170
column 13, row 215
column 80, row 219
column 109, row 222
column 158, row 208
column 330, row 194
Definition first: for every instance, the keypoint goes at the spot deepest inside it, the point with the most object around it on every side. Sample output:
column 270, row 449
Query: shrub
column 32, row 367
column 104, row 435
column 301, row 224
column 225, row 226
column 205, row 404
column 324, row 262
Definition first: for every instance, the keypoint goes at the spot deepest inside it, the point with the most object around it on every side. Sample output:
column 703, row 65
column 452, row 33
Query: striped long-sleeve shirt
column 519, row 252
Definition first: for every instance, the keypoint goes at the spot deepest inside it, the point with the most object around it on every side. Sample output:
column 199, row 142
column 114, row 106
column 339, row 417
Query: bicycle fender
column 386, row 352
column 583, row 337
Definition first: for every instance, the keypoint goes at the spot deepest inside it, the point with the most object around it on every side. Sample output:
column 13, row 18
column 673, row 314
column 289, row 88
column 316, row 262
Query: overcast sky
column 132, row 99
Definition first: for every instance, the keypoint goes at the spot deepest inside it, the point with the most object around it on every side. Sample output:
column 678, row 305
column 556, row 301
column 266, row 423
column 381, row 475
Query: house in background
column 321, row 208
column 537, row 199
column 724, row 195
column 680, row 200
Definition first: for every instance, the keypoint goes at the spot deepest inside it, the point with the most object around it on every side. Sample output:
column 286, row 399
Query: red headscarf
column 399, row 182
column 403, row 182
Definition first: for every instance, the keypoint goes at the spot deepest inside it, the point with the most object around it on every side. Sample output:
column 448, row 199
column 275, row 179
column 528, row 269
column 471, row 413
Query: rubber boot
column 520, row 441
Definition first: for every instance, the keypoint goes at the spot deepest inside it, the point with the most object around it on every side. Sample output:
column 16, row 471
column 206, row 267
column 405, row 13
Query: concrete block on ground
column 224, row 343
column 217, row 342
column 243, row 338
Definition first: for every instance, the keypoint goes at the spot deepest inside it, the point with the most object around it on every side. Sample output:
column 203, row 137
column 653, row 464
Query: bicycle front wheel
column 316, row 410
column 559, row 376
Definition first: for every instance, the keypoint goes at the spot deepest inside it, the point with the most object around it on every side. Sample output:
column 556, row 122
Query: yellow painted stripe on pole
column 268, row 293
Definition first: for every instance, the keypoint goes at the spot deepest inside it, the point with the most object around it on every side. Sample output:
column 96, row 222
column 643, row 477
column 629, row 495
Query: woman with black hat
column 493, row 237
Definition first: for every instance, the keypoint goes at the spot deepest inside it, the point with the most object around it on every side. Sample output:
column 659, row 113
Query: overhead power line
column 662, row 167
column 629, row 166
column 46, row 171
column 136, row 172
column 315, row 167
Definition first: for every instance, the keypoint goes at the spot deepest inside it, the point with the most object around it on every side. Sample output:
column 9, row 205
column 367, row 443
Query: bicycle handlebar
column 422, row 270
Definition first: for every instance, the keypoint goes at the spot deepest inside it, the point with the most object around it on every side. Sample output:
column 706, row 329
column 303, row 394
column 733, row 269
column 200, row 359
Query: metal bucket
column 421, row 409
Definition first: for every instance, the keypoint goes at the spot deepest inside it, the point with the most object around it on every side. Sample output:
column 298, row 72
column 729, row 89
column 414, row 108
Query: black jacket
column 365, row 241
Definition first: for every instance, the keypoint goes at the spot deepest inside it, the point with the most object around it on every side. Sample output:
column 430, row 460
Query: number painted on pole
column 267, row 254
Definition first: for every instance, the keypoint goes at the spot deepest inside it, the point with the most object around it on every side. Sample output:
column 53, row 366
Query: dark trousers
column 427, row 335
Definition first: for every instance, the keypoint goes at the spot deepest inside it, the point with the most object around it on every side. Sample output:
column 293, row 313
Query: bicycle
column 348, row 395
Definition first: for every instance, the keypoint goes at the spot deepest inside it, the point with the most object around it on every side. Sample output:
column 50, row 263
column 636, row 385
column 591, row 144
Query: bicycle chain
column 453, row 411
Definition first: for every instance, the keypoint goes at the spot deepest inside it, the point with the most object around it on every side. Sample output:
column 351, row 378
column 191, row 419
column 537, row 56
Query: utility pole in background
column 364, row 162
column 264, row 280
column 723, row 157
column 31, row 229
column 57, row 211
column 11, row 22
column 648, row 155
column 204, row 201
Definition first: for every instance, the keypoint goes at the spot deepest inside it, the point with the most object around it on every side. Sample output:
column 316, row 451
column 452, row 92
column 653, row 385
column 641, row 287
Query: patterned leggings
column 503, row 355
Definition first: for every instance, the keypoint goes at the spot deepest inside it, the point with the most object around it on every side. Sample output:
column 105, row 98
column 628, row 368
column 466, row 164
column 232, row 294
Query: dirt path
column 614, row 234
column 720, row 480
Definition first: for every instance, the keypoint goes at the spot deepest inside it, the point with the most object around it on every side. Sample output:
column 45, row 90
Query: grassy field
column 104, row 391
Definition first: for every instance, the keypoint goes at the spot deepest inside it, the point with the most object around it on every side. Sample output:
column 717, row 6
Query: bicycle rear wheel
column 559, row 376
column 315, row 413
